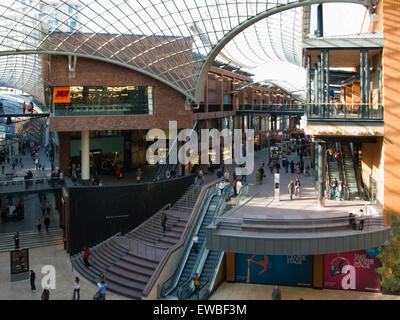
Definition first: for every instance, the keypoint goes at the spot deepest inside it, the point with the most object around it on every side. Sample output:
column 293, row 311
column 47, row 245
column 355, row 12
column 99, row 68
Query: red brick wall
column 168, row 103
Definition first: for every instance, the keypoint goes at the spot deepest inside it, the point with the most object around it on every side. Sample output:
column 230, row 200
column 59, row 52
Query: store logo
column 235, row 146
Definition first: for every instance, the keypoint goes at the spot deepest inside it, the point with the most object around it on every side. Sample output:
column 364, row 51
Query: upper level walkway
column 295, row 226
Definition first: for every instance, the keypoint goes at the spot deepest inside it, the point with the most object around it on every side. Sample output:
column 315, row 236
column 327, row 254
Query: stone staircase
column 129, row 261
column 32, row 239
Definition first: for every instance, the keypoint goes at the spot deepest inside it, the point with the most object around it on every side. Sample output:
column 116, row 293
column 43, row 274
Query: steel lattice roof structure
column 173, row 41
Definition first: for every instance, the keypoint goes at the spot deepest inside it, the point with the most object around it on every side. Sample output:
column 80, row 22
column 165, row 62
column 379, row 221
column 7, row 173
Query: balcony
column 349, row 112
column 101, row 110
column 278, row 109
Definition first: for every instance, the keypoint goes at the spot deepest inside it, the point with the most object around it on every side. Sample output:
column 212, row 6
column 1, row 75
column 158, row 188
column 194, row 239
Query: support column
column 308, row 90
column 327, row 76
column 361, row 77
column 85, row 160
column 321, row 174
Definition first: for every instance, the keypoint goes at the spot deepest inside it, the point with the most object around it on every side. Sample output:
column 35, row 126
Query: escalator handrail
column 203, row 253
column 170, row 284
column 208, row 285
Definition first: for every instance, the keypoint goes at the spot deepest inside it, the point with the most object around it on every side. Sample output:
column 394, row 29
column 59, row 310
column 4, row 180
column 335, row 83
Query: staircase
column 128, row 262
column 32, row 239
column 350, row 174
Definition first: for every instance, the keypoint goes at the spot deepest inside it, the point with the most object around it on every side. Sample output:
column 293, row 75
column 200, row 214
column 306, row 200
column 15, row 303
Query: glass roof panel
column 170, row 40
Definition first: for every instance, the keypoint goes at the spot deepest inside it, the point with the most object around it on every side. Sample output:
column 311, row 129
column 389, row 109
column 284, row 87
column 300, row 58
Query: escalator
column 351, row 176
column 204, row 262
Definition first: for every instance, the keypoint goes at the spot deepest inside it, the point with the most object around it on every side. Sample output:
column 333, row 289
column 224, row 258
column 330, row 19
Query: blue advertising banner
column 280, row 270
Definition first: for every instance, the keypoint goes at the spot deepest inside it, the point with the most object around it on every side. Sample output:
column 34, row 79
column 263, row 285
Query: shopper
column 77, row 289
column 45, row 294
column 276, row 293
column 138, row 175
column 297, row 186
column 86, row 257
column 362, row 219
column 32, row 278
column 195, row 243
column 16, row 240
column 291, row 189
column 196, row 282
column 258, row 176
column 164, row 221
column 102, row 289
column 47, row 223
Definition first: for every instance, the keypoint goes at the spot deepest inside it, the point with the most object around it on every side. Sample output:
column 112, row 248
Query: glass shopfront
column 90, row 100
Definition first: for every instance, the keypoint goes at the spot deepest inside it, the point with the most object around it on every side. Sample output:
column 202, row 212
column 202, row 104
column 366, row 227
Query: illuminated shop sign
column 62, row 95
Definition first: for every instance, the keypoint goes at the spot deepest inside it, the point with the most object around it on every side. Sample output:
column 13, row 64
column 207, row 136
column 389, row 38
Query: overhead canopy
column 174, row 41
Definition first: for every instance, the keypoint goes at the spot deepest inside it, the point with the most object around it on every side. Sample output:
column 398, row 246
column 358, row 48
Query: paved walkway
column 65, row 276
column 304, row 206
column 243, row 291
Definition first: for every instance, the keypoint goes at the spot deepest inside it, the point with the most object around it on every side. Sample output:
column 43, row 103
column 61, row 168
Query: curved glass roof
column 174, row 41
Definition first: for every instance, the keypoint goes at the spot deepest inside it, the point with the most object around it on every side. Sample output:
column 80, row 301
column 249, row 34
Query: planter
column 393, row 293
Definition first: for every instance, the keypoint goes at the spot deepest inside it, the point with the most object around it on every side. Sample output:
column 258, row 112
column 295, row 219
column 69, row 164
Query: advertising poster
column 19, row 261
column 352, row 271
column 280, row 270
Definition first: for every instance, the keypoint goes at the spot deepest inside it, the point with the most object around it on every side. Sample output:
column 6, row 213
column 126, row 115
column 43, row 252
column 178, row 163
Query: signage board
column 62, row 95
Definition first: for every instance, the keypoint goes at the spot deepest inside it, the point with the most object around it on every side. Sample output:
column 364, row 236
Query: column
column 85, row 160
column 321, row 174
column 327, row 76
column 308, row 90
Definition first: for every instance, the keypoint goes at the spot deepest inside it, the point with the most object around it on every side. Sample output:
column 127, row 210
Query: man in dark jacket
column 32, row 278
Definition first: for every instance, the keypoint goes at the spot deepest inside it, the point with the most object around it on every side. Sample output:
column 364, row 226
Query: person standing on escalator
column 195, row 243
column 196, row 282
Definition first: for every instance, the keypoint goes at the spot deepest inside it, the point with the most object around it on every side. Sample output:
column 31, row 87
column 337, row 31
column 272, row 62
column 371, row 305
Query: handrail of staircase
column 169, row 285
column 181, row 241
column 203, row 253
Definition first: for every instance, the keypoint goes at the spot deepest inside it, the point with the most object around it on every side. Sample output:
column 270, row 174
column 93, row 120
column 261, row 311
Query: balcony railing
column 91, row 110
column 272, row 107
column 354, row 112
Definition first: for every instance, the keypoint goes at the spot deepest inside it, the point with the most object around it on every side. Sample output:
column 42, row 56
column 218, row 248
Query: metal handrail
column 151, row 251
column 144, row 223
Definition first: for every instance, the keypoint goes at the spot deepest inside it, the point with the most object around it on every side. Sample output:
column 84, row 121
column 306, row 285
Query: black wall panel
column 97, row 213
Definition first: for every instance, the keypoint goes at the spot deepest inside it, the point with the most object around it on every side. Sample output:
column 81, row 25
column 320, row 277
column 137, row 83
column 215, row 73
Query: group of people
column 353, row 221
column 29, row 107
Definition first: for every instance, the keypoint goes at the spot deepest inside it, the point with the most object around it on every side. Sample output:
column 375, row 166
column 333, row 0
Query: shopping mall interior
column 200, row 150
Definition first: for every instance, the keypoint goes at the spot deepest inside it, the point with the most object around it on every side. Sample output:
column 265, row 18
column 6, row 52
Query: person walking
column 45, row 294
column 32, row 278
column 43, row 207
column 201, row 177
column 277, row 166
column 138, row 175
column 340, row 189
column 164, row 221
column 333, row 188
column 276, row 293
column 297, row 186
column 291, row 189
column 86, row 257
column 47, row 223
column 195, row 243
column 23, row 107
column 118, row 173
column 271, row 166
column 39, row 225
column 102, row 289
column 362, row 219
column 196, row 282
column 16, row 240
column 258, row 176
column 77, row 289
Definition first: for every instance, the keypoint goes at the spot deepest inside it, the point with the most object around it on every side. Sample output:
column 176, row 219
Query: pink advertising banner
column 352, row 271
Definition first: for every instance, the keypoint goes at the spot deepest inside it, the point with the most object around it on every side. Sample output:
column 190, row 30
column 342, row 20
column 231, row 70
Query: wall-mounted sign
column 19, row 264
column 62, row 95
column 352, row 271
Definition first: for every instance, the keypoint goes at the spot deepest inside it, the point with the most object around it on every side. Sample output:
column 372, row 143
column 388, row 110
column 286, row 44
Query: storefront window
column 86, row 100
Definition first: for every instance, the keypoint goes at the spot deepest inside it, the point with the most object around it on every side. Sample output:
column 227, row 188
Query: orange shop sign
column 62, row 95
